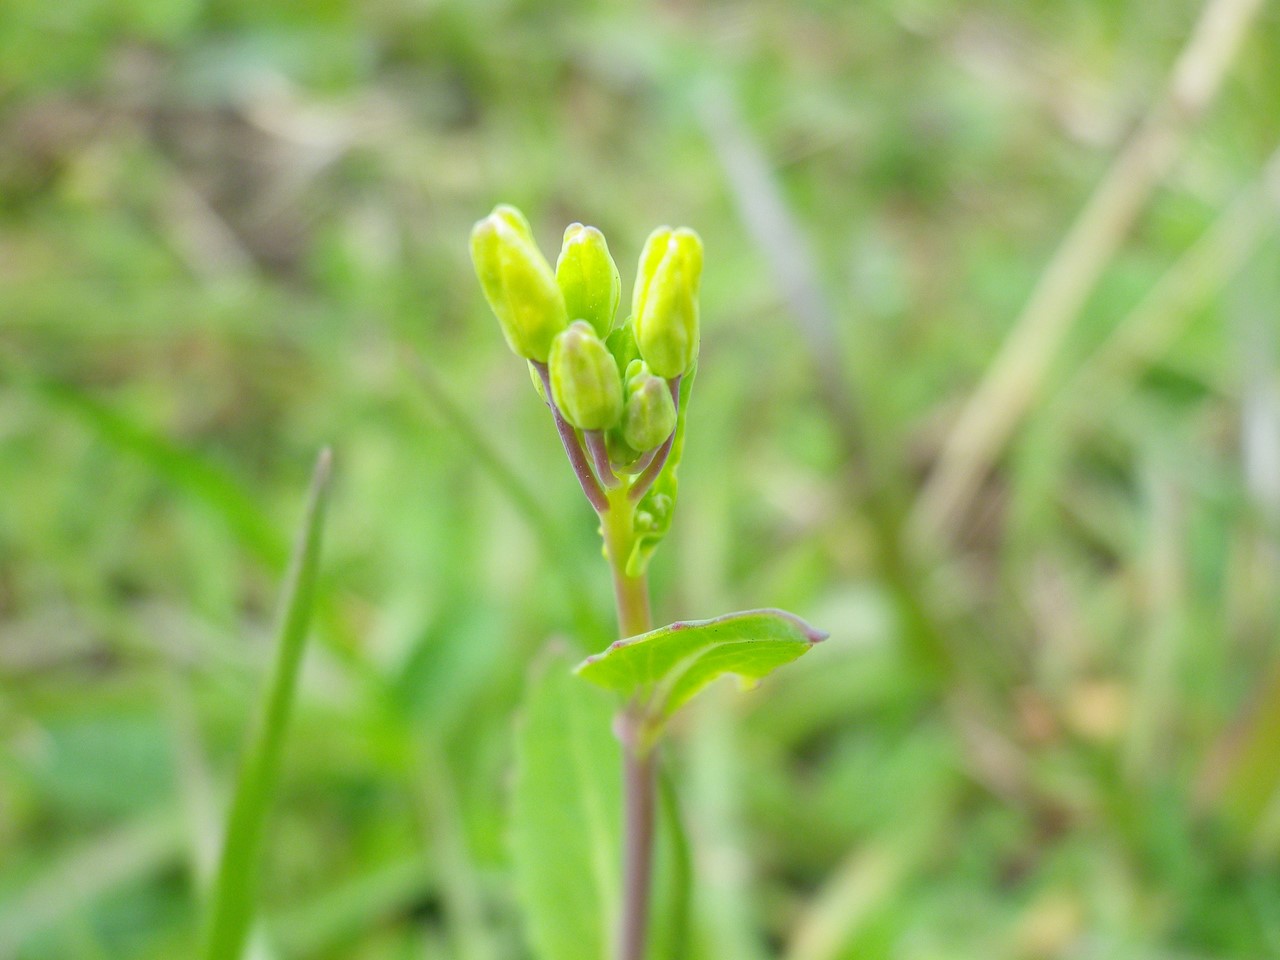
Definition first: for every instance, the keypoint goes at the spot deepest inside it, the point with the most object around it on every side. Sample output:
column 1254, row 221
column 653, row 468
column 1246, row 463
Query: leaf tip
column 810, row 633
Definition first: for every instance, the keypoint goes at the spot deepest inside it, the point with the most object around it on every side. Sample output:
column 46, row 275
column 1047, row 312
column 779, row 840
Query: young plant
column 618, row 395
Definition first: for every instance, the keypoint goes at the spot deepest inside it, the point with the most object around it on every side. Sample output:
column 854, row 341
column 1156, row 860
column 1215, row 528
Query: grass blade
column 1016, row 376
column 235, row 887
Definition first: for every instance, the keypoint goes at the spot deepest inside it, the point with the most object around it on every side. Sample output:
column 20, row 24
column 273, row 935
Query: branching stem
column 573, row 446
column 600, row 457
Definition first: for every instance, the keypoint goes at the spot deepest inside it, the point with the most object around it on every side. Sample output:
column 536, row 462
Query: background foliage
column 231, row 232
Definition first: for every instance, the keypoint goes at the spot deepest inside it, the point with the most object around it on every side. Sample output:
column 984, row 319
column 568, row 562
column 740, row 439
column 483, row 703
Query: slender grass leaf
column 667, row 666
column 235, row 887
column 566, row 827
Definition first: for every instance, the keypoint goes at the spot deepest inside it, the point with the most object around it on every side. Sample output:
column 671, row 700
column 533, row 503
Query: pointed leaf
column 667, row 666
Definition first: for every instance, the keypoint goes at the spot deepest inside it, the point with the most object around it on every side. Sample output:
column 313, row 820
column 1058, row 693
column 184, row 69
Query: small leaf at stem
column 666, row 667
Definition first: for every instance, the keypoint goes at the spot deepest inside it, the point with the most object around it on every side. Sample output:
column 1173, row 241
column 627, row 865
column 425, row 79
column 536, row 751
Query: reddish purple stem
column 639, row 791
column 600, row 457
column 573, row 447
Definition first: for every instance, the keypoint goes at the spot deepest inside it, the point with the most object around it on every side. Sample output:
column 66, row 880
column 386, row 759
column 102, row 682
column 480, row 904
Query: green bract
column 518, row 283
column 665, row 301
column 584, row 379
column 649, row 414
column 588, row 278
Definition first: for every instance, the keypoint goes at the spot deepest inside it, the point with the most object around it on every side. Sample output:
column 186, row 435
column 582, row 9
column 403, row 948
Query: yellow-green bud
column 665, row 302
column 584, row 379
column 655, row 248
column 588, row 278
column 649, row 415
column 518, row 282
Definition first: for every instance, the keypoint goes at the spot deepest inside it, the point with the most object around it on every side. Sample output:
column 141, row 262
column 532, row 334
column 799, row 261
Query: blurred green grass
column 230, row 232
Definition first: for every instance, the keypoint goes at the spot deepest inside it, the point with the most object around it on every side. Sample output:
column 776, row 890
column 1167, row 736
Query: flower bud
column 649, row 414
column 665, row 302
column 588, row 278
column 518, row 282
column 584, row 379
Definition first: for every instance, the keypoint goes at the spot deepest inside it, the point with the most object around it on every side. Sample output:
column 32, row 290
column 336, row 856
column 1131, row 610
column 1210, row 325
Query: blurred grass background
column 1047, row 724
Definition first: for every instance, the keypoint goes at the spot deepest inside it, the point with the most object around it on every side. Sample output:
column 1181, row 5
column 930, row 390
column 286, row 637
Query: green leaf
column 234, row 893
column 667, row 666
column 565, row 820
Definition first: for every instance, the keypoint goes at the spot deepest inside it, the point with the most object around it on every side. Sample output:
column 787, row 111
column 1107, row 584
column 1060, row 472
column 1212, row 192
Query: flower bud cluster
column 617, row 384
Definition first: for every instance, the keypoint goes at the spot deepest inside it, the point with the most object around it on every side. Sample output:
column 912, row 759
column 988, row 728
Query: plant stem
column 631, row 594
column 639, row 767
column 640, row 786
column 573, row 446
column 600, row 457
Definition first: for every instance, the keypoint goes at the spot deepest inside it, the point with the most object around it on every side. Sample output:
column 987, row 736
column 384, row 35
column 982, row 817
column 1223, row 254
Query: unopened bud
column 649, row 414
column 588, row 278
column 518, row 283
column 665, row 302
column 584, row 379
